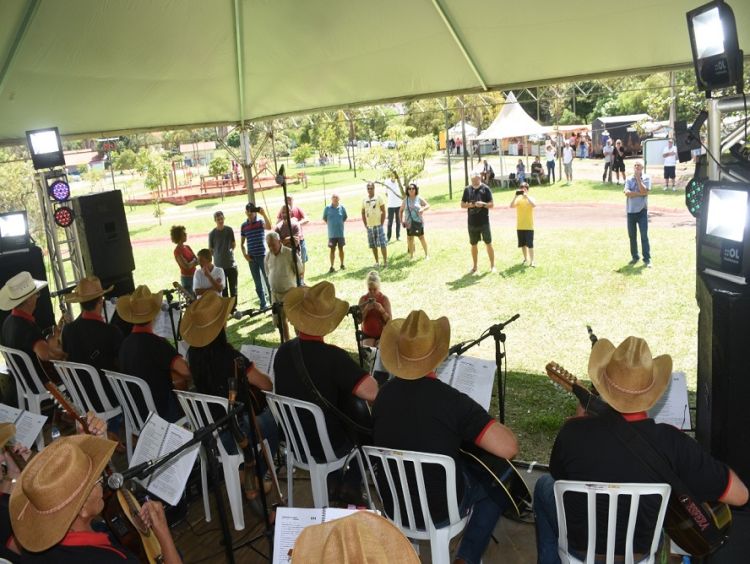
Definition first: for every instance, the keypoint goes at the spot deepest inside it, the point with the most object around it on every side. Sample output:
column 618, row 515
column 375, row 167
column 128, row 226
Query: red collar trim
column 640, row 416
column 143, row 329
column 432, row 375
column 93, row 316
column 306, row 337
column 90, row 538
column 15, row 312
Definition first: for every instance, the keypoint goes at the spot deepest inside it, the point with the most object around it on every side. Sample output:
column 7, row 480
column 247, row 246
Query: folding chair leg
column 440, row 546
column 128, row 439
column 204, row 485
column 289, row 478
column 319, row 484
column 35, row 406
column 234, row 493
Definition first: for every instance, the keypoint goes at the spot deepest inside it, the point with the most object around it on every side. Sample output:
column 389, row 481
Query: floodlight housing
column 45, row 147
column 716, row 52
column 14, row 231
column 724, row 231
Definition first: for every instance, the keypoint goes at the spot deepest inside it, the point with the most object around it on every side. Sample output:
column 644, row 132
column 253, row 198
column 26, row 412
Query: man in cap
column 149, row 356
column 59, row 495
column 587, row 449
column 416, row 411
column 477, row 200
column 20, row 331
column 315, row 312
column 89, row 339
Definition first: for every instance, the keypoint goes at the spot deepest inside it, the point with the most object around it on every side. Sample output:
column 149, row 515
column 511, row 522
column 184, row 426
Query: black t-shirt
column 150, row 358
column 211, row 367
column 587, row 449
column 427, row 415
column 83, row 547
column 93, row 342
column 478, row 217
column 22, row 334
column 335, row 375
column 619, row 155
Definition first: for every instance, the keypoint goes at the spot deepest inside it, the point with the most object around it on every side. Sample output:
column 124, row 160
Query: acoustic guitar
column 685, row 521
column 121, row 511
column 505, row 475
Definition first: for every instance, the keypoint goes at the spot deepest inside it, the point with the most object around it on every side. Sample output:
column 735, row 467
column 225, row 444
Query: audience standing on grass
column 298, row 214
column 393, row 195
column 524, row 205
column 477, row 200
column 618, row 161
column 334, row 216
column 568, row 154
column 282, row 267
column 636, row 192
column 608, row 151
column 550, row 153
column 373, row 216
column 184, row 255
column 412, row 211
column 670, row 164
column 252, row 233
column 222, row 244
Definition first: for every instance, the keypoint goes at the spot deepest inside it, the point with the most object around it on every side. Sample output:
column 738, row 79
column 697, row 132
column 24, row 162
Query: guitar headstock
column 560, row 376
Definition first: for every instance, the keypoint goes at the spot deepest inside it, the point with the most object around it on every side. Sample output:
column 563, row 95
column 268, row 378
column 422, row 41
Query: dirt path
column 553, row 216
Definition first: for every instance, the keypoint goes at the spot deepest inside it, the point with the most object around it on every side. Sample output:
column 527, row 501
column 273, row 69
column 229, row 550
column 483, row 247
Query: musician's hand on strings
column 97, row 427
column 22, row 451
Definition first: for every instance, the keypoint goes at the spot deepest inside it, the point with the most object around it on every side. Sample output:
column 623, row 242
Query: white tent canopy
column 512, row 121
column 457, row 130
column 109, row 66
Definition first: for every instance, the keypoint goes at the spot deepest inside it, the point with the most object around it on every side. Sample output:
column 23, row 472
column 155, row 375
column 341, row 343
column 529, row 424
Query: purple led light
column 59, row 191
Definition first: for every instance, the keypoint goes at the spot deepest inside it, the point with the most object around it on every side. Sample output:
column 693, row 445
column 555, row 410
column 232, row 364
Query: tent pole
column 463, row 141
column 448, row 153
column 247, row 164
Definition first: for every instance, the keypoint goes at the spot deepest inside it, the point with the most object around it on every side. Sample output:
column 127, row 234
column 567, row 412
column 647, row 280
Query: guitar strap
column 642, row 449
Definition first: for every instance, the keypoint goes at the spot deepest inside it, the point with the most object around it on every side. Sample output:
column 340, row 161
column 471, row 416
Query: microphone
column 116, row 480
column 501, row 326
column 250, row 312
column 169, row 305
column 457, row 348
column 593, row 338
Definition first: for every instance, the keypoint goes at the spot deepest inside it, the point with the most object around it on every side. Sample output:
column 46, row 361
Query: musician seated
column 89, row 339
column 213, row 361
column 586, row 449
column 208, row 277
column 315, row 311
column 149, row 356
column 416, row 411
column 20, row 331
column 59, row 495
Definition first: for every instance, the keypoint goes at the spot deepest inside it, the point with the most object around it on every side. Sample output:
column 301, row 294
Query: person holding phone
column 525, row 205
column 636, row 192
column 376, row 310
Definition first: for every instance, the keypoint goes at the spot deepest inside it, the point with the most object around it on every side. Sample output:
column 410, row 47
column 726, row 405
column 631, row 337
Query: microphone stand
column 170, row 297
column 277, row 309
column 356, row 314
column 281, row 181
column 496, row 332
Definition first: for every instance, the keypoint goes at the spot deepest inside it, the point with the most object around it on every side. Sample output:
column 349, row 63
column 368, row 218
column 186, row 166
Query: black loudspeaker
column 32, row 262
column 684, row 142
column 723, row 415
column 105, row 241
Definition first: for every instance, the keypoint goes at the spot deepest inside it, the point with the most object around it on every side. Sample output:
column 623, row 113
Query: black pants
column 607, row 169
column 393, row 215
column 231, row 287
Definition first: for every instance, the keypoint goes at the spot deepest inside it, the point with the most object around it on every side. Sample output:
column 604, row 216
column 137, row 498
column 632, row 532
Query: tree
column 219, row 165
column 302, row 153
column 407, row 160
column 127, row 159
column 156, row 171
column 18, row 191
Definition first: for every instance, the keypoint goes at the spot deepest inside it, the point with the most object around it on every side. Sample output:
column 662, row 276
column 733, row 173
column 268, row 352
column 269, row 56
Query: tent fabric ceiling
column 97, row 66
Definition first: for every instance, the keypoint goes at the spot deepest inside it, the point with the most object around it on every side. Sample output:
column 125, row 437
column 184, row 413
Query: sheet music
column 472, row 376
column 261, row 356
column 159, row 437
column 28, row 425
column 162, row 325
column 291, row 520
column 673, row 407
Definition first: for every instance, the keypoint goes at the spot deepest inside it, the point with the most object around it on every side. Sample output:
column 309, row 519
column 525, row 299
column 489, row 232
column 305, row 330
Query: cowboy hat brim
column 125, row 309
column 318, row 326
column 408, row 369
column 7, row 432
column 7, row 302
column 198, row 334
column 601, row 354
column 75, row 298
column 37, row 531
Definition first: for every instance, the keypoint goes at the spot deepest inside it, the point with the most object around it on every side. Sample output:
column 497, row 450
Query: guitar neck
column 67, row 407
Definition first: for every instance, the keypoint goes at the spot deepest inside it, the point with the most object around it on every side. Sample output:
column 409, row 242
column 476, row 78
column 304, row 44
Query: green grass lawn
column 582, row 278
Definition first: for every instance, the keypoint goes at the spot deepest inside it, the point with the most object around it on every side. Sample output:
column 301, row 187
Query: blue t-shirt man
column 335, row 216
column 636, row 192
column 252, row 235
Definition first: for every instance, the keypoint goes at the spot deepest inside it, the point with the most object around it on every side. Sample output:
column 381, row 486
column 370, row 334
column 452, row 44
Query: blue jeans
column 186, row 282
column 639, row 221
column 393, row 216
column 258, row 270
column 488, row 503
column 551, row 171
column 545, row 514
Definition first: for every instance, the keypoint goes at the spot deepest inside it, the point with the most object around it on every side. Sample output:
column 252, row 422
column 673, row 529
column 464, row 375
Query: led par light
column 64, row 216
column 59, row 191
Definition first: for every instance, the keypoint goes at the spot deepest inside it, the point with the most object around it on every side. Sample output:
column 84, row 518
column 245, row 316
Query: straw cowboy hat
column 360, row 537
column 18, row 289
column 626, row 376
column 88, row 289
column 315, row 310
column 53, row 488
column 7, row 432
column 413, row 347
column 204, row 318
column 139, row 307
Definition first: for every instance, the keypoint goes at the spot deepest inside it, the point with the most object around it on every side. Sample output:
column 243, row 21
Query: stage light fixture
column 14, row 231
column 45, row 147
column 64, row 216
column 59, row 191
column 716, row 52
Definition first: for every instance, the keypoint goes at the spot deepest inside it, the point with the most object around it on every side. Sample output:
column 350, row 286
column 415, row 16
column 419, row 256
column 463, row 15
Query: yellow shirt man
column 525, row 205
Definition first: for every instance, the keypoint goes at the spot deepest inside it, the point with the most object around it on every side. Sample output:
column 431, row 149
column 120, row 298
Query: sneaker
column 331, row 270
column 427, row 257
column 632, row 262
column 532, row 265
column 493, row 270
column 647, row 264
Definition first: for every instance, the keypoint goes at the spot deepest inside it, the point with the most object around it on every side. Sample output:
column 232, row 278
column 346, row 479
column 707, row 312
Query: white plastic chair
column 614, row 492
column 399, row 491
column 128, row 389
column 73, row 375
column 196, row 407
column 286, row 411
column 30, row 395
